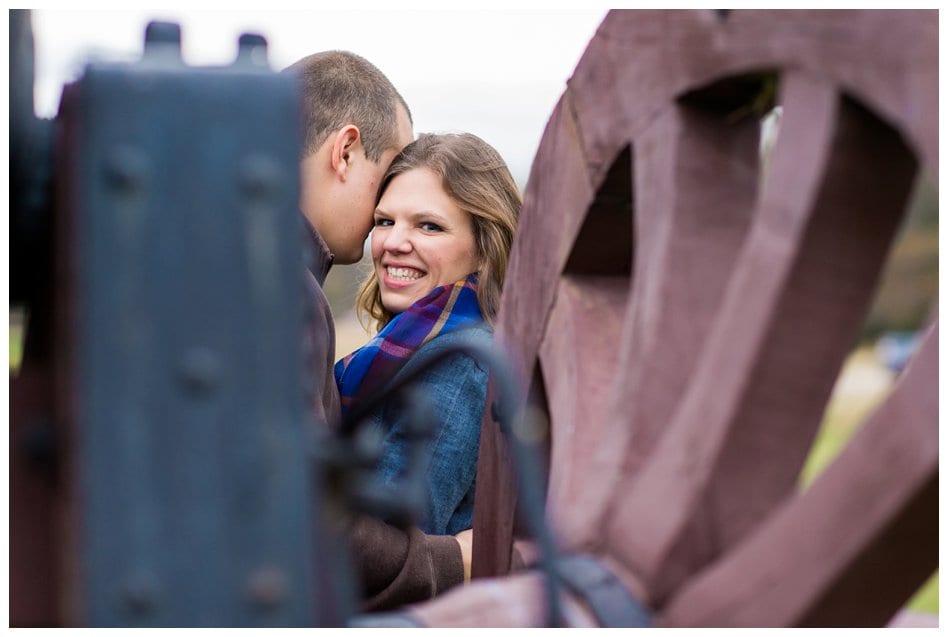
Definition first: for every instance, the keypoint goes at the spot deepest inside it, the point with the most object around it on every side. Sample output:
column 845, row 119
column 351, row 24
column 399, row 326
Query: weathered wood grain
column 695, row 188
column 576, row 356
column 800, row 290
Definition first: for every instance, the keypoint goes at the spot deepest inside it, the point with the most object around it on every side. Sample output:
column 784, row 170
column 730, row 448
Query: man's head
column 355, row 123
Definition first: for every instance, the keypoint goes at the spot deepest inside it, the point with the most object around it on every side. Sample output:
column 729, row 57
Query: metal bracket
column 607, row 597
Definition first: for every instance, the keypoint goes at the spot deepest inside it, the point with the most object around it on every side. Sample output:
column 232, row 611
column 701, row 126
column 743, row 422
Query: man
column 355, row 123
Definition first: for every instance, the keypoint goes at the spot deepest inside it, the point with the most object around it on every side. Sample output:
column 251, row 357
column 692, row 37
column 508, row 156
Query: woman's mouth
column 403, row 274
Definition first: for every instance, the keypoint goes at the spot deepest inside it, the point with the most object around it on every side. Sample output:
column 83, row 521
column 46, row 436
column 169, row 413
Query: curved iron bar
column 402, row 505
column 524, row 450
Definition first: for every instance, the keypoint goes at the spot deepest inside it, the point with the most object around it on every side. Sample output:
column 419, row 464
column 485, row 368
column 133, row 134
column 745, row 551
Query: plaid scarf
column 444, row 309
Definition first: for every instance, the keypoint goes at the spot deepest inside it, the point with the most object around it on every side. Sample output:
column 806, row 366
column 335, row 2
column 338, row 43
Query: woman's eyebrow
column 430, row 214
column 427, row 214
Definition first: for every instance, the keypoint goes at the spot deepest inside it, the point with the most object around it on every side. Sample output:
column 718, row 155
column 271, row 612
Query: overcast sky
column 495, row 73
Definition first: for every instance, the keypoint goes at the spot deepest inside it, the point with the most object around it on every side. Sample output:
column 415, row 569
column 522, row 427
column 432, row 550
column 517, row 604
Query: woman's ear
column 344, row 143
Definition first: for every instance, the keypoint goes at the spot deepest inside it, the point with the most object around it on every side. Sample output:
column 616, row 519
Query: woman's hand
column 466, row 540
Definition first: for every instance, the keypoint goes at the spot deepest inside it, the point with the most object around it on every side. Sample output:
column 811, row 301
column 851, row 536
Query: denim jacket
column 457, row 389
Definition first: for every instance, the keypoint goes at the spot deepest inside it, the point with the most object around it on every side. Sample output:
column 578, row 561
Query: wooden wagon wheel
column 683, row 311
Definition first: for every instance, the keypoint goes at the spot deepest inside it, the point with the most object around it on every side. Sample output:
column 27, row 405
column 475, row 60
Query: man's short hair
column 341, row 88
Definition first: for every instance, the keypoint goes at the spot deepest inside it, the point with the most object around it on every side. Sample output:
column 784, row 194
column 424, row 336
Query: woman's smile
column 403, row 274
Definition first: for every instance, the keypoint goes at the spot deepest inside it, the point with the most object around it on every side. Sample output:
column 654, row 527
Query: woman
column 444, row 222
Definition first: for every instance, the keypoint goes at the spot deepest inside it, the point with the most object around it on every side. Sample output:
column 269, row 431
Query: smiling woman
column 440, row 193
column 421, row 240
column 444, row 224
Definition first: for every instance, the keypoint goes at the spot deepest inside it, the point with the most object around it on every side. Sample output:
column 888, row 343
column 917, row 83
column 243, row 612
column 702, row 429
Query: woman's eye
column 431, row 227
column 383, row 222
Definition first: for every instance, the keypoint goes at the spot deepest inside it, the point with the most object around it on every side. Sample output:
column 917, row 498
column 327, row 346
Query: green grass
column 841, row 421
column 16, row 340
column 926, row 599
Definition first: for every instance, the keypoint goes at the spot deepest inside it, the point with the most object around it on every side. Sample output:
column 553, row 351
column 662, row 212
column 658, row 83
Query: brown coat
column 394, row 567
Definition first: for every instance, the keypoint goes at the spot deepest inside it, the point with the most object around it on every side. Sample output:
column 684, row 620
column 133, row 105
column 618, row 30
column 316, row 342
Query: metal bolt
column 163, row 39
column 495, row 411
column 140, row 594
column 267, row 587
column 259, row 177
column 252, row 50
column 39, row 441
column 200, row 370
column 126, row 170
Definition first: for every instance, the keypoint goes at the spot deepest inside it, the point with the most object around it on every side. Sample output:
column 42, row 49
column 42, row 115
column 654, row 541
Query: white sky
column 496, row 70
column 494, row 73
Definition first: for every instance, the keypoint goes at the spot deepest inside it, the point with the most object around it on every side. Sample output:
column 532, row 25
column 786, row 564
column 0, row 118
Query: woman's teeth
column 404, row 274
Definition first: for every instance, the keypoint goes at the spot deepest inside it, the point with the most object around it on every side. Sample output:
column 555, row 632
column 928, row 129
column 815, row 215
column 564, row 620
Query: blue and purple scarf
column 444, row 309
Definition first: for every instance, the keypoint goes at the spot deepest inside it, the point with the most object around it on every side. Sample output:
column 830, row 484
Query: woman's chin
column 396, row 303
column 398, row 296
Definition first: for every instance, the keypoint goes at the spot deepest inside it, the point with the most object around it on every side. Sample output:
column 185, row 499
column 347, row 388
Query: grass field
column 16, row 340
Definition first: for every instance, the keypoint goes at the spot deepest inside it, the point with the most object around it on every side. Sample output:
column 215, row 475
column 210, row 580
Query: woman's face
column 421, row 239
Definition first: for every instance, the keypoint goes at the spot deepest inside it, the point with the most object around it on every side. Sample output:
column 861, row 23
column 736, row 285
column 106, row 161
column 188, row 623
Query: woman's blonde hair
column 476, row 178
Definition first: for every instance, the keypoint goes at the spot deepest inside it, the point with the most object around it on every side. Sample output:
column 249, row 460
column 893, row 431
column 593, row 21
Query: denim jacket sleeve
column 457, row 389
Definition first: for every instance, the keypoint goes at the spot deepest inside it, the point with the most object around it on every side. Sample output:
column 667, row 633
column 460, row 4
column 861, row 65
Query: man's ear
column 345, row 140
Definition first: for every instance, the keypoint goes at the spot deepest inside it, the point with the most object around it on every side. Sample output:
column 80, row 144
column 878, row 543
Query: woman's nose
column 396, row 240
